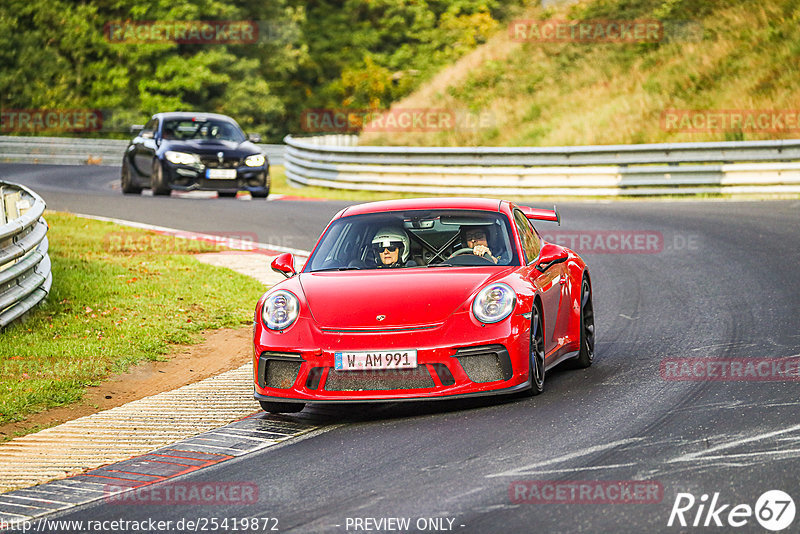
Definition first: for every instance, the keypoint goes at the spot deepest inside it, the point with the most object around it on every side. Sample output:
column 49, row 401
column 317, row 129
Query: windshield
column 201, row 129
column 430, row 238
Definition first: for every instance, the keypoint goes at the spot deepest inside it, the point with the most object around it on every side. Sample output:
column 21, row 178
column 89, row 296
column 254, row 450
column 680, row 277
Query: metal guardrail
column 25, row 276
column 80, row 151
column 336, row 161
column 647, row 169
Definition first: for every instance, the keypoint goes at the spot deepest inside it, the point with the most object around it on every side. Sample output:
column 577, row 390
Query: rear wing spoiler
column 539, row 214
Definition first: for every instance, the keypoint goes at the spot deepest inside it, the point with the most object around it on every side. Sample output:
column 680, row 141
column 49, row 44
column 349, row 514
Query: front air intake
column 281, row 374
column 485, row 364
column 278, row 369
column 379, row 380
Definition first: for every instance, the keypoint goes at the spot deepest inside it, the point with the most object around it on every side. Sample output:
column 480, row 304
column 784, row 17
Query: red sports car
column 422, row 299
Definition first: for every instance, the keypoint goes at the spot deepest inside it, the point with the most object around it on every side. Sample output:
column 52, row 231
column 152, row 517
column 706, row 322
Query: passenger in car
column 392, row 248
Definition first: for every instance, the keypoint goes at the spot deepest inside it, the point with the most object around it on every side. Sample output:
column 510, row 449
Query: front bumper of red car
column 457, row 358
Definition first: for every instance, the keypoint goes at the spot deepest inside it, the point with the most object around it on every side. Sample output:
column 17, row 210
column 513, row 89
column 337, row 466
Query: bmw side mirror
column 254, row 137
column 551, row 255
column 284, row 264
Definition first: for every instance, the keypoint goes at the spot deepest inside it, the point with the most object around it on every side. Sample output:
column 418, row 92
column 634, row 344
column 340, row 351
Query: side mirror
column 550, row 255
column 284, row 264
column 254, row 137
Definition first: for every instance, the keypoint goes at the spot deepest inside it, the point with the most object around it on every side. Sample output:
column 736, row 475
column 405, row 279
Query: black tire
column 265, row 193
column 536, row 371
column 586, row 352
column 126, row 181
column 282, row 407
column 157, row 179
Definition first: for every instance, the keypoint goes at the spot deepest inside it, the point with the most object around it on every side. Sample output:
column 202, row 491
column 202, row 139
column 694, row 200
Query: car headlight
column 181, row 158
column 280, row 310
column 494, row 303
column 256, row 160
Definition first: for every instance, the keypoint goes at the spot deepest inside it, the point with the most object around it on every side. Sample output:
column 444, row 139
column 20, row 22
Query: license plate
column 220, row 174
column 361, row 361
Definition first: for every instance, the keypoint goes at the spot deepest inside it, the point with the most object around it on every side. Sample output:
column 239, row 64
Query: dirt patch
column 222, row 350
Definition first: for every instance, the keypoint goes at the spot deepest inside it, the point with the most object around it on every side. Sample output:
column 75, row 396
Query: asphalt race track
column 721, row 281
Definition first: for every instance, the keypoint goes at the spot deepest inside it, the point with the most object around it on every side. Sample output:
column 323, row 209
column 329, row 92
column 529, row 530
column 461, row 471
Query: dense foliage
column 58, row 54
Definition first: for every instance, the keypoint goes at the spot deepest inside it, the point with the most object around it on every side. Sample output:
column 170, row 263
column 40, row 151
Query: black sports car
column 190, row 151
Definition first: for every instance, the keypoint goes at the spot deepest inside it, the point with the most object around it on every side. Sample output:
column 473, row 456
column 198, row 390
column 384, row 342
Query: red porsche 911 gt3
column 422, row 299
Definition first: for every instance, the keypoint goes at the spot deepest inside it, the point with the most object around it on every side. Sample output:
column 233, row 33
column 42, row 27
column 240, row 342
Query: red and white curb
column 111, row 482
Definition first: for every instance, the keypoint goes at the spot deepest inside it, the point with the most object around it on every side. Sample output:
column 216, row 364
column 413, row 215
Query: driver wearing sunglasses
column 391, row 247
column 475, row 238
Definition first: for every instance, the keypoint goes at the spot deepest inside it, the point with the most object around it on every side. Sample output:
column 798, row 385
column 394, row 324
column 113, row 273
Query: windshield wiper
column 353, row 268
column 439, row 265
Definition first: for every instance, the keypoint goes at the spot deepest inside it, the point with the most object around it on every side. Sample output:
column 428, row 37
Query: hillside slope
column 730, row 58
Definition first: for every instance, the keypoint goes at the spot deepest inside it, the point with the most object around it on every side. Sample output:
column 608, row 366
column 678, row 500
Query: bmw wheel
column 126, row 180
column 157, row 179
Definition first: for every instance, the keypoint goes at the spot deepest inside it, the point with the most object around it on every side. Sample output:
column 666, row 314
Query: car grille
column 212, row 162
column 379, row 379
column 485, row 364
column 278, row 370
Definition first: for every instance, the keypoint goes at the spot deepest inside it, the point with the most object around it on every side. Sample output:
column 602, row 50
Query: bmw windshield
column 201, row 129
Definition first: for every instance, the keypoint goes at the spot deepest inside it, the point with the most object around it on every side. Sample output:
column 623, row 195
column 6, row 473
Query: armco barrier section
column 739, row 167
column 80, row 151
column 25, row 276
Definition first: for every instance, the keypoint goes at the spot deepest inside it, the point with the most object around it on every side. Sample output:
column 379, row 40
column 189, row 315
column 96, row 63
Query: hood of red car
column 406, row 297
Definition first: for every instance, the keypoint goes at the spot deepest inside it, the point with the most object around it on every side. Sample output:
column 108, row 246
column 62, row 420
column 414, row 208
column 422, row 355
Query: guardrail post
column 2, row 208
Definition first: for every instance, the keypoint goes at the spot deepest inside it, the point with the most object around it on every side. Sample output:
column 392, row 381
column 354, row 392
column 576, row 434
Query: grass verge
column 119, row 296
